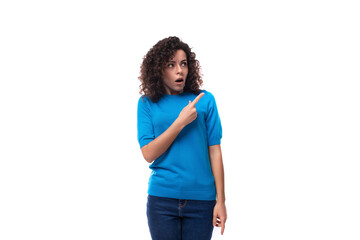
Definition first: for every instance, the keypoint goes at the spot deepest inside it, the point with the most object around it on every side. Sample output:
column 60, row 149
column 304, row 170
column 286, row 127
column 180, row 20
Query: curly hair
column 155, row 61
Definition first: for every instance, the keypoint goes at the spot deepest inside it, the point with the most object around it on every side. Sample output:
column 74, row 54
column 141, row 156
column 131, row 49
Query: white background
column 285, row 75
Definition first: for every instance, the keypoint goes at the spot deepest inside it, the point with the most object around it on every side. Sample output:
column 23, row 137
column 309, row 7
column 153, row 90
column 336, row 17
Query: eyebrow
column 172, row 61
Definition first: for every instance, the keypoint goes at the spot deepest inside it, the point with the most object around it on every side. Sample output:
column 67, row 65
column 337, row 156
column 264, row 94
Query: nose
column 178, row 68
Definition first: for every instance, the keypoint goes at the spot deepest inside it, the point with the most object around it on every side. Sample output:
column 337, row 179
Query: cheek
column 165, row 76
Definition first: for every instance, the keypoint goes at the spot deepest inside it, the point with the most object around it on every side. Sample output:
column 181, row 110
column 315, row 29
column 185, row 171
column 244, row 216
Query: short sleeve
column 144, row 123
column 213, row 123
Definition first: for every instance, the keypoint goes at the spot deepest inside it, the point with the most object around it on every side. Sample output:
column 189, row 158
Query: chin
column 177, row 91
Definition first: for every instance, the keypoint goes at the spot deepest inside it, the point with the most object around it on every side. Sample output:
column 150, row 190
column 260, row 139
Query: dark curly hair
column 155, row 61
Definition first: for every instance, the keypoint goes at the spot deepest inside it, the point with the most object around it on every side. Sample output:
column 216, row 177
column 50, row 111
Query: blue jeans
column 177, row 219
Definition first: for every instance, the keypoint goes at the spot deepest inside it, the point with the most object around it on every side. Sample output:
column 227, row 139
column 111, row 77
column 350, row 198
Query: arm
column 159, row 145
column 217, row 168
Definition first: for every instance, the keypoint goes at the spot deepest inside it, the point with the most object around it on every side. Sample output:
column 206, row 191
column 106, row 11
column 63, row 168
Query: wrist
column 220, row 200
column 179, row 124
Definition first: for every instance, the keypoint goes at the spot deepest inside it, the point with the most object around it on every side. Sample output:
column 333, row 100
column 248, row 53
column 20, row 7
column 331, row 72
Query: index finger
column 198, row 98
column 222, row 228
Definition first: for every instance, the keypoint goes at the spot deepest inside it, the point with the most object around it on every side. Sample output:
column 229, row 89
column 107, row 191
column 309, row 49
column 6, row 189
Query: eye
column 184, row 64
column 170, row 65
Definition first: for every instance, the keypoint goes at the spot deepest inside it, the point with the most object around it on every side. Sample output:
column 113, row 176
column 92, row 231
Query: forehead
column 179, row 55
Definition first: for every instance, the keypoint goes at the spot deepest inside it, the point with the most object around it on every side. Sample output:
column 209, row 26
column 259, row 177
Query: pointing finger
column 222, row 228
column 198, row 98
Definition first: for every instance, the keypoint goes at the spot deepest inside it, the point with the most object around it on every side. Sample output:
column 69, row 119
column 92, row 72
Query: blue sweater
column 183, row 171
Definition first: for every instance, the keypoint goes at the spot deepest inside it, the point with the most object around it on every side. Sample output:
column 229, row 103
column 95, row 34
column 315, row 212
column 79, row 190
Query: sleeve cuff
column 214, row 142
column 145, row 142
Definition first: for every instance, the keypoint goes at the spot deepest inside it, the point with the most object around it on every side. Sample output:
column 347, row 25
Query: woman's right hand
column 189, row 113
column 160, row 144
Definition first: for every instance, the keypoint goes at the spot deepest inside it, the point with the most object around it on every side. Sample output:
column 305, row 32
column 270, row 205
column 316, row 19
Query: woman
column 179, row 132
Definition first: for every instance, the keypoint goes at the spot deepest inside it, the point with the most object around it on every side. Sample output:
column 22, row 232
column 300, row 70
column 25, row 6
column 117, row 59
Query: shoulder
column 144, row 101
column 208, row 95
column 206, row 92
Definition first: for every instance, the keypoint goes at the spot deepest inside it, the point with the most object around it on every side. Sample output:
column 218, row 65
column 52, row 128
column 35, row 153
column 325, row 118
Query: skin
column 217, row 167
column 177, row 68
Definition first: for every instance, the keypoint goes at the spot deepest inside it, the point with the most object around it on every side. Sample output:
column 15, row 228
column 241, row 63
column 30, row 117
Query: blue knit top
column 183, row 171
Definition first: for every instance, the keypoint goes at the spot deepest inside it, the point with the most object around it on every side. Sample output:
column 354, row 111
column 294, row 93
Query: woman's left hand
column 220, row 216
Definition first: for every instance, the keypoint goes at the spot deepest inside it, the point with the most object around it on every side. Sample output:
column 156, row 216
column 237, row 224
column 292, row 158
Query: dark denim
column 177, row 219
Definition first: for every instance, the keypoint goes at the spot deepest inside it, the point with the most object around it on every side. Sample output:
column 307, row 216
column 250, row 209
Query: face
column 175, row 72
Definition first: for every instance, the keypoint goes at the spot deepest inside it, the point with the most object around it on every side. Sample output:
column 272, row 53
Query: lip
column 179, row 83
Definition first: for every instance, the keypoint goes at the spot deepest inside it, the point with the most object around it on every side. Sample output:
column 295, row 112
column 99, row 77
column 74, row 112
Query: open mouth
column 179, row 80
